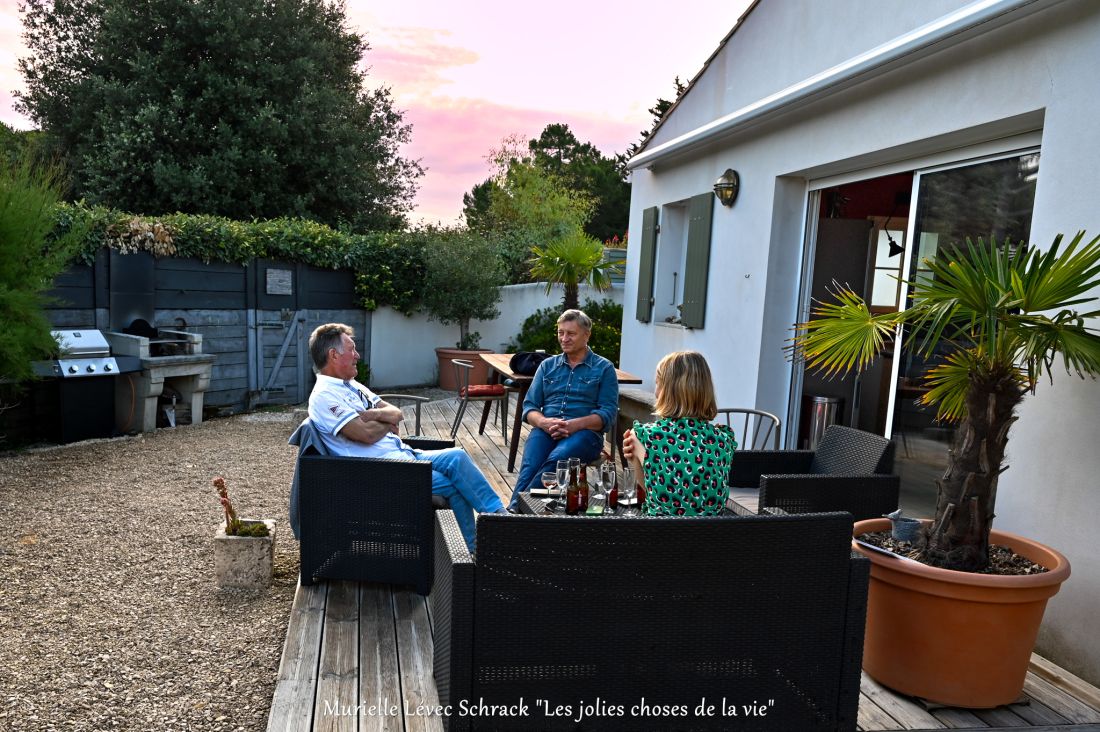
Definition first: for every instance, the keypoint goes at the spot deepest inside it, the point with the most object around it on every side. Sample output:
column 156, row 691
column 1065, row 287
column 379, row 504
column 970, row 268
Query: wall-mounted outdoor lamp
column 726, row 187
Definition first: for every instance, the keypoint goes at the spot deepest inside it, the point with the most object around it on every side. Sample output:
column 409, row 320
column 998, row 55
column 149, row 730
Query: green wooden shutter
column 697, row 264
column 648, row 259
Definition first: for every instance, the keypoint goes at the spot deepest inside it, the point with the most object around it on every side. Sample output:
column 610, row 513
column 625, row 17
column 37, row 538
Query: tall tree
column 528, row 206
column 243, row 108
column 582, row 167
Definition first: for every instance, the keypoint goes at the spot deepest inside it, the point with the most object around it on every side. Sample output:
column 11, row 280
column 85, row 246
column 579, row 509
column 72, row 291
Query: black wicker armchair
column 365, row 519
column 652, row 616
column 851, row 471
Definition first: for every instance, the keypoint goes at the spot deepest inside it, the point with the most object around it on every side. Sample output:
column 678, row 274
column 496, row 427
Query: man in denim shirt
column 571, row 404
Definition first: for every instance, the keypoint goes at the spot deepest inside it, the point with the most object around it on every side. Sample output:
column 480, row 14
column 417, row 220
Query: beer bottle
column 572, row 494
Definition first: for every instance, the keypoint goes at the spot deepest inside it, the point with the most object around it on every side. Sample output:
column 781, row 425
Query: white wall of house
column 402, row 349
column 1031, row 80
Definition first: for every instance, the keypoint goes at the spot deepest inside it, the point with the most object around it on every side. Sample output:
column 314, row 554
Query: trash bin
column 823, row 412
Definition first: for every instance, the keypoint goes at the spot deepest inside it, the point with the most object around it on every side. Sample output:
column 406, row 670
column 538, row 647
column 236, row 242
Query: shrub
column 540, row 330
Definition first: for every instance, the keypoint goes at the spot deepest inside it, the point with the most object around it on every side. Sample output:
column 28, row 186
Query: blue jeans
column 456, row 478
column 542, row 452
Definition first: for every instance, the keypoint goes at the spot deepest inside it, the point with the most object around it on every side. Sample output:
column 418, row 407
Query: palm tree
column 570, row 260
column 1004, row 313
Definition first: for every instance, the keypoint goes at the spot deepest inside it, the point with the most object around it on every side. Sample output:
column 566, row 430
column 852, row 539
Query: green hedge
column 540, row 330
column 388, row 266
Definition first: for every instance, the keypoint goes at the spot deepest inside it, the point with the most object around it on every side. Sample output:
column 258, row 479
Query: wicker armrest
column 749, row 465
column 452, row 611
column 864, row 496
column 427, row 443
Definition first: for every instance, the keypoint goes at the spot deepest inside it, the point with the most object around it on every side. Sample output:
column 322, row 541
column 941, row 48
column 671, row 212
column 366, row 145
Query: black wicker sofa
column 649, row 623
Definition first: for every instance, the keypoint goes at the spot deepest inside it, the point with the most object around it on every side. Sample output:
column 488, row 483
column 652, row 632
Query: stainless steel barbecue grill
column 84, row 353
column 81, row 382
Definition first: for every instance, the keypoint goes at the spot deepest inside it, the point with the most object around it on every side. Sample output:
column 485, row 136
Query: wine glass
column 595, row 482
column 629, row 490
column 607, row 478
column 549, row 481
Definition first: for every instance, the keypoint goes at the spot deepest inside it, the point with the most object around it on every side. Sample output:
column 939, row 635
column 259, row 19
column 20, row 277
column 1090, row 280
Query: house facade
column 865, row 134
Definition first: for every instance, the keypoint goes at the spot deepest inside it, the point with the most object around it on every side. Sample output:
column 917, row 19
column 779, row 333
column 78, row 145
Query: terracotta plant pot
column 955, row 638
column 480, row 374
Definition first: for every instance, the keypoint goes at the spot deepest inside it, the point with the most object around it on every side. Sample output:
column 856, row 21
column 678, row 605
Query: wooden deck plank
column 292, row 703
column 871, row 716
column 1059, row 677
column 1001, row 717
column 907, row 714
column 336, row 706
column 414, row 644
column 954, row 718
column 379, row 667
column 1060, row 701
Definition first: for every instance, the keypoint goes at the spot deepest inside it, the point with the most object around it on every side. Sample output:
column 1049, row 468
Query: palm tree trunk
column 571, row 301
column 959, row 535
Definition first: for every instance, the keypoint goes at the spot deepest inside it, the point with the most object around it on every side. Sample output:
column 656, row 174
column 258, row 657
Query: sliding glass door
column 989, row 198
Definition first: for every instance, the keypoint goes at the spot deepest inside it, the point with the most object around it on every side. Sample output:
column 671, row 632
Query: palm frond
column 948, row 384
column 845, row 336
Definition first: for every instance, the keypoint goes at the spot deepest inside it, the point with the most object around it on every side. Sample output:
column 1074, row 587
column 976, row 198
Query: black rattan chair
column 850, row 470
column 565, row 609
column 366, row 519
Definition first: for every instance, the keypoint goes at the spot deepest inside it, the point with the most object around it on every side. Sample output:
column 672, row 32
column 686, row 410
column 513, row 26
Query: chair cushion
column 482, row 390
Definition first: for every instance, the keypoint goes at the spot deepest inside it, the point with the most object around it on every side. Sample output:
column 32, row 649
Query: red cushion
column 483, row 390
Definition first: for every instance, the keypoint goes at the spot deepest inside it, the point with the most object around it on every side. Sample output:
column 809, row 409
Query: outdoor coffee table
column 536, row 506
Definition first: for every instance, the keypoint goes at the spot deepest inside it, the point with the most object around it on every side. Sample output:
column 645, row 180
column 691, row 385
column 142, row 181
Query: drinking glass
column 607, row 479
column 562, row 467
column 596, row 496
column 549, row 481
column 628, row 492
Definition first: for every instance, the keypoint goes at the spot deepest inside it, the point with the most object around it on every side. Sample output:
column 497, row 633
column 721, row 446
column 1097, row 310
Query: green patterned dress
column 687, row 463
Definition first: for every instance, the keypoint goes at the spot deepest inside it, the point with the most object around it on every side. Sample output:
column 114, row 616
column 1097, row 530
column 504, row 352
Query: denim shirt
column 561, row 391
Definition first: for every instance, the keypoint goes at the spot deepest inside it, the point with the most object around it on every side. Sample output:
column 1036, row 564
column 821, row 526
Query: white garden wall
column 402, row 349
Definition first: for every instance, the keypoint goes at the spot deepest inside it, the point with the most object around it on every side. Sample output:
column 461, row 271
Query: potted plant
column 463, row 280
column 935, row 628
column 244, row 549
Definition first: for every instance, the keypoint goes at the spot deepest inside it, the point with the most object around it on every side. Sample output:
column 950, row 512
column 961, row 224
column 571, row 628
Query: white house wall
column 1037, row 75
column 402, row 349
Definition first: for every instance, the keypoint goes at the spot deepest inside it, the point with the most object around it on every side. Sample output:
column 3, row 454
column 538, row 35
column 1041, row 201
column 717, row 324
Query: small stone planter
column 244, row 562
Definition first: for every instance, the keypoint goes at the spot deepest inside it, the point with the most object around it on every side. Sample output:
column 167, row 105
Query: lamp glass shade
column 727, row 186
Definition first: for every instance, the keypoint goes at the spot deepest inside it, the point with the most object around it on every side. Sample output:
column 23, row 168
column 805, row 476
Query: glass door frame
column 1017, row 145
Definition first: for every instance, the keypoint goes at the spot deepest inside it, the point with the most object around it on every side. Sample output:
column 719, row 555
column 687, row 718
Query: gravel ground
column 109, row 615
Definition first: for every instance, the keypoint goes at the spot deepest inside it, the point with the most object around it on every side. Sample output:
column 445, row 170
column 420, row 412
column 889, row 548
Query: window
column 675, row 261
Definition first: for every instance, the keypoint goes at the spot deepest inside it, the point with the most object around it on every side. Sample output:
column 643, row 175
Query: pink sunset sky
column 467, row 75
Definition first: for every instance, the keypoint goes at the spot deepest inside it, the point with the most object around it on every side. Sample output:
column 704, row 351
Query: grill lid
column 82, row 343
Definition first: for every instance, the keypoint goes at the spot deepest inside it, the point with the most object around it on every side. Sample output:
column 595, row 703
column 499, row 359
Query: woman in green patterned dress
column 683, row 459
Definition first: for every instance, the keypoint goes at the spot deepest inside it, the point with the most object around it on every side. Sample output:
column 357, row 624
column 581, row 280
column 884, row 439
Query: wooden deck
column 359, row 656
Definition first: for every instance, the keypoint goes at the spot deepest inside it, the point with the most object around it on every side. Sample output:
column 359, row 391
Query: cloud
column 453, row 137
column 413, row 60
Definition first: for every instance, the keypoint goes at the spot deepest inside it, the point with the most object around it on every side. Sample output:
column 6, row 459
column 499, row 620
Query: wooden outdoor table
column 500, row 369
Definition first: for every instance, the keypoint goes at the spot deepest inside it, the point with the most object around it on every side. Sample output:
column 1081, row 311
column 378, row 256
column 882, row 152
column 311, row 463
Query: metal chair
column 757, row 427
column 468, row 392
column 416, row 400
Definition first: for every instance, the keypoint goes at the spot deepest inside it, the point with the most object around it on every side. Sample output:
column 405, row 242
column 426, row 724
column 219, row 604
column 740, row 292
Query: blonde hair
column 685, row 387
